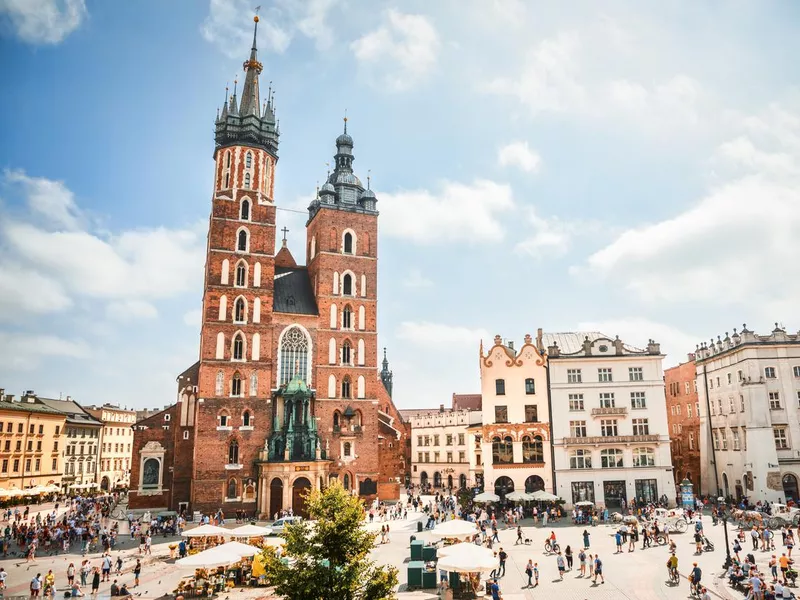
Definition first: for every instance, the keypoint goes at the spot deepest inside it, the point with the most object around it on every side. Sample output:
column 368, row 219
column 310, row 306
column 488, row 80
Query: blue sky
column 621, row 166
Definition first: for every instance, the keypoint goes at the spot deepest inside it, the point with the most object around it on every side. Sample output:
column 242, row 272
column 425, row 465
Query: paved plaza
column 641, row 574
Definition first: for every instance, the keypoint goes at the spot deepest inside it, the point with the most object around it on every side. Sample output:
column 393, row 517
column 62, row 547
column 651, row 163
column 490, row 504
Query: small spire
column 369, row 173
column 269, row 95
column 345, row 120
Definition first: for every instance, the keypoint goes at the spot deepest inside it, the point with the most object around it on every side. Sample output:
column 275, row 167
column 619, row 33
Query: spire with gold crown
column 241, row 121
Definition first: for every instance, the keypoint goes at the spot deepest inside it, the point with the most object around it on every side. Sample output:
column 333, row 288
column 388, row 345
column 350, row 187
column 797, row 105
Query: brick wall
column 684, row 422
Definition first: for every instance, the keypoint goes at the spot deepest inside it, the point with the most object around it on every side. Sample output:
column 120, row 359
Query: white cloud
column 519, row 154
column 416, row 279
column 734, row 246
column 228, row 27
column 458, row 212
column 549, row 237
column 25, row 291
column 24, row 352
column 44, row 21
column 129, row 310
column 193, row 318
column 50, row 200
column 400, row 52
column 635, row 331
column 439, row 335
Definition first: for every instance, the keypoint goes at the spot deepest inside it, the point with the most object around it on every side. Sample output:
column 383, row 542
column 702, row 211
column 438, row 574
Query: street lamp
column 722, row 513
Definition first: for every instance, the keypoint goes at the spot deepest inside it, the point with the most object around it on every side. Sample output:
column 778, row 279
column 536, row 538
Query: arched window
column 231, row 488
column 644, row 457
column 346, row 353
column 241, row 274
column 357, row 418
column 347, row 317
column 247, row 181
column 611, row 458
column 244, row 214
column 347, row 284
column 348, row 243
column 236, row 384
column 248, row 160
column 532, row 449
column 228, row 158
column 502, row 450
column 239, row 313
column 346, row 386
column 336, row 420
column 346, row 449
column 227, row 180
column 238, row 347
column 246, row 418
column 220, row 384
column 580, row 459
column 151, row 473
column 241, row 244
column 295, row 351
column 233, row 453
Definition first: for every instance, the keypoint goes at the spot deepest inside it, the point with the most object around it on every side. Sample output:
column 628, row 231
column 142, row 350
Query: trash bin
column 419, row 526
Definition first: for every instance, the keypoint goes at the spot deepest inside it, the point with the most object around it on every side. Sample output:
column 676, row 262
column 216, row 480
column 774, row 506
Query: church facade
column 286, row 394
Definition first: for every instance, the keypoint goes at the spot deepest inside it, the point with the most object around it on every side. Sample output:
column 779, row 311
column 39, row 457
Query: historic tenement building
column 609, row 419
column 116, row 444
column 683, row 416
column 512, row 442
column 286, row 394
column 748, row 386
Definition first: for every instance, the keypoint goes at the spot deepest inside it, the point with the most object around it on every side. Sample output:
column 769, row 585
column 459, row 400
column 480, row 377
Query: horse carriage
column 783, row 516
column 672, row 517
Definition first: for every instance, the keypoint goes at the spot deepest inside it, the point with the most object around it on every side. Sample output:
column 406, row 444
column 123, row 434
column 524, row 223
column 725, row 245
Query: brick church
column 286, row 394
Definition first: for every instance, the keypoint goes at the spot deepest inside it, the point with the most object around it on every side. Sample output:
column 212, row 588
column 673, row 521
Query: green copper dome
column 296, row 385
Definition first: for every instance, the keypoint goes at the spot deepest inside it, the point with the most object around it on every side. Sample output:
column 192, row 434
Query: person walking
column 36, row 586
column 137, row 570
column 95, row 581
column 598, row 569
column 568, row 556
column 85, row 568
column 501, row 570
column 560, row 563
column 519, row 536
column 586, row 539
column 529, row 573
column 582, row 561
column 591, row 565
column 618, row 540
column 71, row 573
column 754, row 537
column 119, row 563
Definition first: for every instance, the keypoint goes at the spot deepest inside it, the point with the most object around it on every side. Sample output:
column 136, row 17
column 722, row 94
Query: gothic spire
column 252, row 68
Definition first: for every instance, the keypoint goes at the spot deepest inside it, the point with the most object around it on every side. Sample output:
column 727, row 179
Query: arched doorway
column 462, row 481
column 726, row 490
column 300, row 490
column 275, row 497
column 423, row 479
column 790, row 487
column 449, row 482
column 346, row 482
column 504, row 485
column 534, row 483
column 437, row 479
column 104, row 483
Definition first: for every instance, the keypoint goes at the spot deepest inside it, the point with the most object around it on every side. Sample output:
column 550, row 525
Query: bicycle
column 551, row 547
column 674, row 577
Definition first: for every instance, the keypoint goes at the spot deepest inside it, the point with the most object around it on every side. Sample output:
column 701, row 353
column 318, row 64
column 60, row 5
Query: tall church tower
column 235, row 349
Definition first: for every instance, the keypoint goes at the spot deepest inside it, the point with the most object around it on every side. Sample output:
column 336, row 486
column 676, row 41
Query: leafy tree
column 329, row 554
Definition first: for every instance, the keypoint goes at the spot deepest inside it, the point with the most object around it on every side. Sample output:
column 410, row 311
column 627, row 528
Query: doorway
column 275, row 497
column 614, row 494
column 790, row 487
column 300, row 491
column 534, row 483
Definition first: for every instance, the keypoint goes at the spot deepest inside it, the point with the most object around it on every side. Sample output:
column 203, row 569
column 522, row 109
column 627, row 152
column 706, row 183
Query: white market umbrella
column 208, row 559
column 544, row 496
column 239, row 549
column 206, row 530
column 584, row 503
column 455, row 528
column 250, row 531
column 486, row 497
column 517, row 496
column 466, row 558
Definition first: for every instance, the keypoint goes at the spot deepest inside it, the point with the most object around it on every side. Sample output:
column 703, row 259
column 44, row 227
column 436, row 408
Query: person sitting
column 123, row 591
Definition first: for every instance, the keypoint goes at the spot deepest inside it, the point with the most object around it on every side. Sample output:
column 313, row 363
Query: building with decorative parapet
column 748, row 387
column 608, row 413
column 512, row 443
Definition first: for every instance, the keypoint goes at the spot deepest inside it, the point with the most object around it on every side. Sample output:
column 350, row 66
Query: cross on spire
column 285, row 230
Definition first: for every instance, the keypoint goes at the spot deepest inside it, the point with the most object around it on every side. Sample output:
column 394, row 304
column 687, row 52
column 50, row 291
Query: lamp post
column 722, row 512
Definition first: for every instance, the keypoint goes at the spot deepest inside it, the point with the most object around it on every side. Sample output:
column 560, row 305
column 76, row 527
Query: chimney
column 69, row 398
column 510, row 344
column 441, row 408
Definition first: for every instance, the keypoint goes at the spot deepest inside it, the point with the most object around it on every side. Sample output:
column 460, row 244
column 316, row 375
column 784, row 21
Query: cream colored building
column 513, row 441
column 116, row 442
column 440, row 452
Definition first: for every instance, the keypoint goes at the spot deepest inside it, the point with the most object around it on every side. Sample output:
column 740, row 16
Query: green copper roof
column 296, row 385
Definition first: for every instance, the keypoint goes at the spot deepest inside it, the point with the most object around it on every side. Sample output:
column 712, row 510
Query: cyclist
column 694, row 579
column 672, row 567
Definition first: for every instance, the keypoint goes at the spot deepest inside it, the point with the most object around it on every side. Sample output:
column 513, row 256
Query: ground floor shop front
column 615, row 489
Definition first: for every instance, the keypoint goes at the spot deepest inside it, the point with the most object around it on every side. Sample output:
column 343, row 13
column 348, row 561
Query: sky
column 623, row 166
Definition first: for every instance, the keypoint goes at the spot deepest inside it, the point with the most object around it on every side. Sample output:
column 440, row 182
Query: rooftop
column 292, row 292
column 570, row 342
column 23, row 406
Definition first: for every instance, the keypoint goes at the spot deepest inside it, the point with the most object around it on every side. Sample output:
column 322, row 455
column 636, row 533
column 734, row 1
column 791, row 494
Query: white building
column 116, row 441
column 609, row 419
column 749, row 391
column 439, row 447
column 514, row 437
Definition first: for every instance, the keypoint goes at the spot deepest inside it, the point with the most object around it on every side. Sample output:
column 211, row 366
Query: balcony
column 619, row 411
column 611, row 439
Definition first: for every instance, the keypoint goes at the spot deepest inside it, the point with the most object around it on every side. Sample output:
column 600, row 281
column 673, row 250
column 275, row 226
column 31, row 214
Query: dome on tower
column 344, row 139
column 368, row 194
column 347, row 177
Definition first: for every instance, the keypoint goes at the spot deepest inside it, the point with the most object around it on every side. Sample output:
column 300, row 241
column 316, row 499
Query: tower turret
column 386, row 374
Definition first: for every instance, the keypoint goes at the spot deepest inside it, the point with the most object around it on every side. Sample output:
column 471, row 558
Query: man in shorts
column 36, row 586
column 598, row 569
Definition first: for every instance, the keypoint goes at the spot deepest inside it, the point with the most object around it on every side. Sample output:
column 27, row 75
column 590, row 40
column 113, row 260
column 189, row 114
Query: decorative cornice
column 516, row 429
column 535, row 465
column 514, row 360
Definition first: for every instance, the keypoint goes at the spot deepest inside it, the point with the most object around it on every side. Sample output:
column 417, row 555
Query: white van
column 279, row 525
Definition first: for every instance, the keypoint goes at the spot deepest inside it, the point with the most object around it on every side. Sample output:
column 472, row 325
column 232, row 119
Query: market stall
column 465, row 562
column 219, row 569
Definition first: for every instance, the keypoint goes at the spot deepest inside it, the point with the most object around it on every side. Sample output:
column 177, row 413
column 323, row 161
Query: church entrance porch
column 284, row 485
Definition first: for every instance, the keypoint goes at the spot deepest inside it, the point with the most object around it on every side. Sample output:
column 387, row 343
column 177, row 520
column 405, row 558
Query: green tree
column 329, row 554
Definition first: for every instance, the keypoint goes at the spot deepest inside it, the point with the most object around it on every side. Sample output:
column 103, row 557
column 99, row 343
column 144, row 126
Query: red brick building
column 286, row 394
column 684, row 421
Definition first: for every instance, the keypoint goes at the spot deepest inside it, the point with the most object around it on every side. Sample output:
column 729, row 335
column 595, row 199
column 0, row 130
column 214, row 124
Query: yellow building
column 31, row 443
column 116, row 444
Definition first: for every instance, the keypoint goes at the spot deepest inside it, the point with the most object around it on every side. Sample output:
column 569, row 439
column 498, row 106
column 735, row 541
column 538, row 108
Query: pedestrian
column 502, row 556
column 529, row 572
column 754, row 537
column 560, row 563
column 95, row 581
column 85, row 568
column 586, row 539
column 598, row 569
column 50, row 584
column 71, row 573
column 137, row 570
column 582, row 561
column 784, row 562
column 698, row 542
column 119, row 562
column 773, row 568
column 106, row 567
column 3, row 575
column 634, row 536
column 535, row 574
column 568, row 556
column 519, row 536
column 737, row 547
column 36, row 586
column 591, row 565
column 618, row 540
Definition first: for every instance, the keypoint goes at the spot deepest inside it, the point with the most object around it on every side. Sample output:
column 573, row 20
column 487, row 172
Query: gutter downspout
column 550, row 425
column 711, row 432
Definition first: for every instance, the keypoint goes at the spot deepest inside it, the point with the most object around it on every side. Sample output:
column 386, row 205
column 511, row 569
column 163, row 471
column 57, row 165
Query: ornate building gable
column 592, row 343
column 500, row 353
